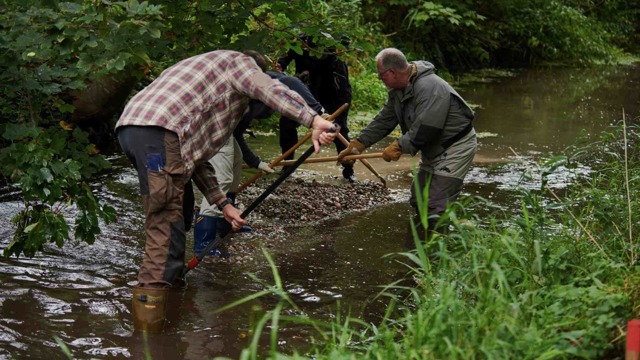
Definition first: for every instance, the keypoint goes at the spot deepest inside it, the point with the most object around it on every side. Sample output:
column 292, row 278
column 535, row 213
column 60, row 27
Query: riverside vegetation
column 558, row 279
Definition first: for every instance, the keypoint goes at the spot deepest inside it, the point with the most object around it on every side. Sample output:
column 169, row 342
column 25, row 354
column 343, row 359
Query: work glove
column 355, row 148
column 392, row 152
column 265, row 167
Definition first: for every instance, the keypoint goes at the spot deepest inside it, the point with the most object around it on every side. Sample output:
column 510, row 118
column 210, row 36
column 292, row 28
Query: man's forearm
column 205, row 179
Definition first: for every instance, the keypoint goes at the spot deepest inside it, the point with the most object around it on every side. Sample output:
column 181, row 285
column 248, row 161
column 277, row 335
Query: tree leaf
column 30, row 228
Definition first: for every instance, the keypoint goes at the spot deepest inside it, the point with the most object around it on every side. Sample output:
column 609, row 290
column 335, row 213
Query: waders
column 149, row 307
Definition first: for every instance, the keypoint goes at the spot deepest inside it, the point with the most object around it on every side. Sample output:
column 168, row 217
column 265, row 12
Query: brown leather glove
column 392, row 152
column 355, row 148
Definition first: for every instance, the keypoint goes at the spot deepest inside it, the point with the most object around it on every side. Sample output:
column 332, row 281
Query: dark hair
column 260, row 59
column 307, row 39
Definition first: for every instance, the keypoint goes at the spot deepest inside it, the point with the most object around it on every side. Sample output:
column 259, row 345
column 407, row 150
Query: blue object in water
column 204, row 232
column 206, row 229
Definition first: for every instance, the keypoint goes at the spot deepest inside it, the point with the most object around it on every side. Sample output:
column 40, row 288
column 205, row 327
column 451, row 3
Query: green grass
column 556, row 279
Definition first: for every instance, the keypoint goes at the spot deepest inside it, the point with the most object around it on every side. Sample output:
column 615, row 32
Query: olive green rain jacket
column 434, row 120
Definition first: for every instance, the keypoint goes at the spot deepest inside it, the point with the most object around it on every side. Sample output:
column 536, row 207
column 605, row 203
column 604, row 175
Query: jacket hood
column 424, row 68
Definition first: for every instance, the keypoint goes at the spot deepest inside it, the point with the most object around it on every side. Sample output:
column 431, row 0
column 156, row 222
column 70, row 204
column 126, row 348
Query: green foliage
column 334, row 26
column 48, row 52
column 268, row 26
column 369, row 93
column 460, row 35
column 606, row 201
column 51, row 166
column 554, row 31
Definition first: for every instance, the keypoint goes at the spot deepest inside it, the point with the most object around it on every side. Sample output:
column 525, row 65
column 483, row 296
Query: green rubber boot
column 149, row 306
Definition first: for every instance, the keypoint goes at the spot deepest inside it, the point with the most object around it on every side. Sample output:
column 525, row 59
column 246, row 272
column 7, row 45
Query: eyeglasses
column 381, row 75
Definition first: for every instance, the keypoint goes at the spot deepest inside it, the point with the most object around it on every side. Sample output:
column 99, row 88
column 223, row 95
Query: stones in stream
column 297, row 202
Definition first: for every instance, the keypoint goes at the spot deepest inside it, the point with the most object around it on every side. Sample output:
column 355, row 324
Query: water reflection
column 542, row 111
column 81, row 294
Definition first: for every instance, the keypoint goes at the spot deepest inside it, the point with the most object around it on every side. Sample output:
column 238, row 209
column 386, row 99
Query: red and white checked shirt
column 202, row 99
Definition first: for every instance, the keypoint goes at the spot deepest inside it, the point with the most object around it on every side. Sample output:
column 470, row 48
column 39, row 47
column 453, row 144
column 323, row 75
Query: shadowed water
column 81, row 294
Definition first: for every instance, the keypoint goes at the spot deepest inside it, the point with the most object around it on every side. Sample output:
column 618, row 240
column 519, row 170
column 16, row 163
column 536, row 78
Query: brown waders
column 155, row 154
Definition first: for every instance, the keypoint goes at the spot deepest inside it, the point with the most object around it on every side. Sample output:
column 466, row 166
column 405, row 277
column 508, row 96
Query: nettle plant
column 50, row 51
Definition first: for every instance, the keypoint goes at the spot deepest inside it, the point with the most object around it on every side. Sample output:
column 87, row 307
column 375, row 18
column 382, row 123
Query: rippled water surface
column 81, row 294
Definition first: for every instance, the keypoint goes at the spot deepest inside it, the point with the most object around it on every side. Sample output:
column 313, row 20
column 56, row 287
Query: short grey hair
column 392, row 58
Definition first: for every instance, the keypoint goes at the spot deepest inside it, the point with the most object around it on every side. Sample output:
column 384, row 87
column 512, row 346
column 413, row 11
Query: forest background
column 68, row 67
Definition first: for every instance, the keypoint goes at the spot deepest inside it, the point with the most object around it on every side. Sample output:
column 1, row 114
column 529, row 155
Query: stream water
column 80, row 294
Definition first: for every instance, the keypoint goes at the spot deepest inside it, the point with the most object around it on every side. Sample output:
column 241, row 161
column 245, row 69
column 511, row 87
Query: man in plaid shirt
column 170, row 129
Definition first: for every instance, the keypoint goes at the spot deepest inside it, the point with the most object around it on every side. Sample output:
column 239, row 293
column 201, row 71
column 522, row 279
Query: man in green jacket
column 434, row 119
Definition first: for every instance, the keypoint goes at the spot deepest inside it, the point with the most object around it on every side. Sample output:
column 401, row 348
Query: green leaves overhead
column 268, row 26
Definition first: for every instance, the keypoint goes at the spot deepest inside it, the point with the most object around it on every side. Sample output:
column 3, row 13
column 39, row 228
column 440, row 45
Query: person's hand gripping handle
column 322, row 132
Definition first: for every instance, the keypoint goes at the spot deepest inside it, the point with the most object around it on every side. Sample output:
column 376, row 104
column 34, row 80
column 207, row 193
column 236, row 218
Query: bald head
column 392, row 58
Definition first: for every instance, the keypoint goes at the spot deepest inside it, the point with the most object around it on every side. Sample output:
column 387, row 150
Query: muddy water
column 81, row 294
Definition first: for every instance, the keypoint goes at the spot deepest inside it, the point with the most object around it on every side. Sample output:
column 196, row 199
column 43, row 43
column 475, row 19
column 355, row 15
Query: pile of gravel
column 294, row 203
column 300, row 200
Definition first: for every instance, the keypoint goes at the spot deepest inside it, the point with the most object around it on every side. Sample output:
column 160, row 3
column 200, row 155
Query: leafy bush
column 51, row 167
column 554, row 31
column 458, row 35
column 368, row 92
column 49, row 52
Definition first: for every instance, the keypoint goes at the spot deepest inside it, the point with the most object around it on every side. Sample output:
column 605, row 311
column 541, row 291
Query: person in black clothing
column 329, row 84
column 258, row 110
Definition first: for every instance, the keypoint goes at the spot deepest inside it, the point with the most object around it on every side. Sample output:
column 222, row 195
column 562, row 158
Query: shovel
column 285, row 174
